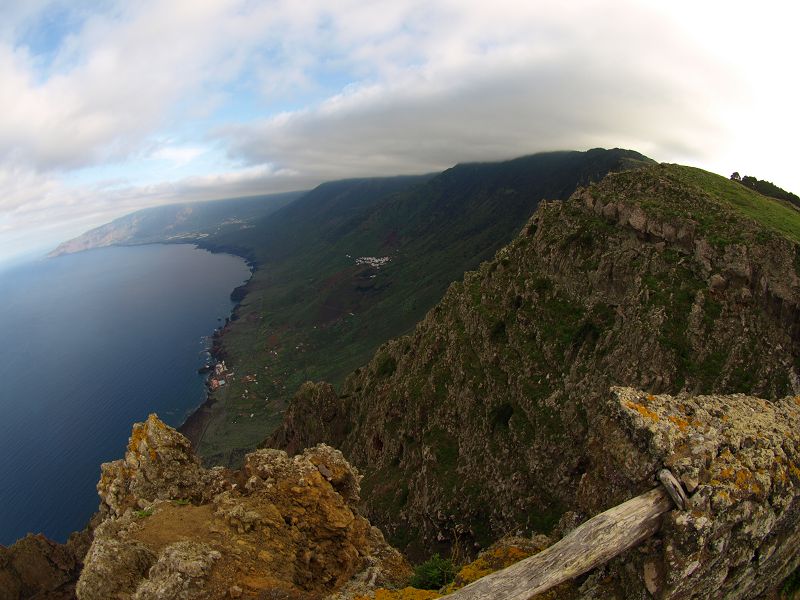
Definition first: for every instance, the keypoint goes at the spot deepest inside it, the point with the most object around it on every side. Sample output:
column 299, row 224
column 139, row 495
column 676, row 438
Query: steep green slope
column 667, row 279
column 317, row 309
column 314, row 220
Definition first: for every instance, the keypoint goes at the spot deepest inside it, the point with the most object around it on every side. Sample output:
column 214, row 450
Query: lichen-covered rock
column 179, row 574
column 159, row 465
column 737, row 457
column 114, row 565
column 283, row 526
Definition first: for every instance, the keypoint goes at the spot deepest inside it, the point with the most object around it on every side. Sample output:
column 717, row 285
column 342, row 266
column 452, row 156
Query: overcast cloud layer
column 107, row 107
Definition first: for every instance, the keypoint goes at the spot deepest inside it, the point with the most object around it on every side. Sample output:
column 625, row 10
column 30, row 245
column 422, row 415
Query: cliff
column 281, row 527
column 666, row 279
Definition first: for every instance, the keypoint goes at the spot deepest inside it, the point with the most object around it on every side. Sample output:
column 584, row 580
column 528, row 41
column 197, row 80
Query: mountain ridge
column 620, row 285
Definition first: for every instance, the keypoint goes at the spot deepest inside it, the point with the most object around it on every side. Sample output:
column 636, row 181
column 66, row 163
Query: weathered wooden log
column 674, row 488
column 594, row 543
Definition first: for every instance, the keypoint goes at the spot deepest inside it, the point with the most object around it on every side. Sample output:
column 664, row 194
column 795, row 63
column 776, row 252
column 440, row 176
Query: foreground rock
column 738, row 538
column 281, row 527
column 737, row 457
column 36, row 567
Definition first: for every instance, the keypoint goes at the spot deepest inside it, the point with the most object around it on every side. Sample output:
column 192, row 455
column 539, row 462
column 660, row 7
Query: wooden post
column 594, row 543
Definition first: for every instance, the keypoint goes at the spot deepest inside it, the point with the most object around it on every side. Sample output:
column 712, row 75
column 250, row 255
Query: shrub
column 792, row 585
column 386, row 366
column 434, row 573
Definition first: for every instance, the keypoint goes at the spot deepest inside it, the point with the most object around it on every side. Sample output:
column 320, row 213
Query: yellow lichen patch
column 743, row 476
column 490, row 561
column 650, row 398
column 723, row 496
column 153, row 454
column 726, row 473
column 794, row 470
column 745, row 481
column 156, row 422
column 643, row 410
column 797, row 400
column 681, row 424
column 408, row 593
column 137, row 435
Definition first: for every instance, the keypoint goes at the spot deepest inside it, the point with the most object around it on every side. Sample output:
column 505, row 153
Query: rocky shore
column 195, row 424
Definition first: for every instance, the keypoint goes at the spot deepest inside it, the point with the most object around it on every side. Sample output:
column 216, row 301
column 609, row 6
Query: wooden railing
column 590, row 545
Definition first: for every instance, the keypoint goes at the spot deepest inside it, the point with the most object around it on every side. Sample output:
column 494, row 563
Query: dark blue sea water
column 89, row 344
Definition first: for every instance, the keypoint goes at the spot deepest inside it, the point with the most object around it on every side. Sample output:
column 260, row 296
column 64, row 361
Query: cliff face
column 279, row 528
column 482, row 421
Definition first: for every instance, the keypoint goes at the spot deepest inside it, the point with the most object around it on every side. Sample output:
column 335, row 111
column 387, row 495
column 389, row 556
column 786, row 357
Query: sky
column 110, row 106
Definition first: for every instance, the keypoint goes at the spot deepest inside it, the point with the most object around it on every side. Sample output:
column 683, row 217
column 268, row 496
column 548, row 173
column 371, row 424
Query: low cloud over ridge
column 103, row 111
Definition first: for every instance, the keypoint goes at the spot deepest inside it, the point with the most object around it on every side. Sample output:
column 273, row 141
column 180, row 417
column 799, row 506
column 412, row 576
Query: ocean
column 89, row 344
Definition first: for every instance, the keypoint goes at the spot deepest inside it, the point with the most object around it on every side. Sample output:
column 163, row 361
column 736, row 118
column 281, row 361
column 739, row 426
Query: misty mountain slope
column 668, row 279
column 352, row 283
column 317, row 216
column 185, row 222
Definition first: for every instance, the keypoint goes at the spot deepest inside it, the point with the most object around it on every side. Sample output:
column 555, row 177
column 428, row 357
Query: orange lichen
column 137, row 435
column 742, row 477
column 643, row 410
column 745, row 481
column 726, row 473
column 489, row 562
column 682, row 424
column 650, row 397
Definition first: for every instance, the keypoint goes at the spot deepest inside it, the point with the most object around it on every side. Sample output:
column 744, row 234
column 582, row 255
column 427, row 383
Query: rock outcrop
column 478, row 423
column 36, row 567
column 281, row 527
column 738, row 458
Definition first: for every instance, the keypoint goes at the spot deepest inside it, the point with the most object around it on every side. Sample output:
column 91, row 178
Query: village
column 219, row 376
column 373, row 261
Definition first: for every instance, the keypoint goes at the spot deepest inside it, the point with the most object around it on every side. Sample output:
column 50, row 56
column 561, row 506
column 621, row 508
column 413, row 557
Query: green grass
column 773, row 214
column 433, row 574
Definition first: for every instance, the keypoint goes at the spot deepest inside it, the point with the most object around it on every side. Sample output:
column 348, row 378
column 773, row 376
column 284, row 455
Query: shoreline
column 196, row 422
column 197, row 419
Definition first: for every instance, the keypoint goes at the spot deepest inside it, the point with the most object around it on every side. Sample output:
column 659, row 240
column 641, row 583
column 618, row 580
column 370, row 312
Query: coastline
column 195, row 424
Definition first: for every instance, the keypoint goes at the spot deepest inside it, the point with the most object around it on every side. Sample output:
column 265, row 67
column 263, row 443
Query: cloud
column 109, row 107
column 552, row 80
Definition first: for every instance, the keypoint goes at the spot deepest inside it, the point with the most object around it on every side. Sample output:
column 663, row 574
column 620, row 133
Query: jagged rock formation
column 36, row 567
column 480, row 422
column 281, row 526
